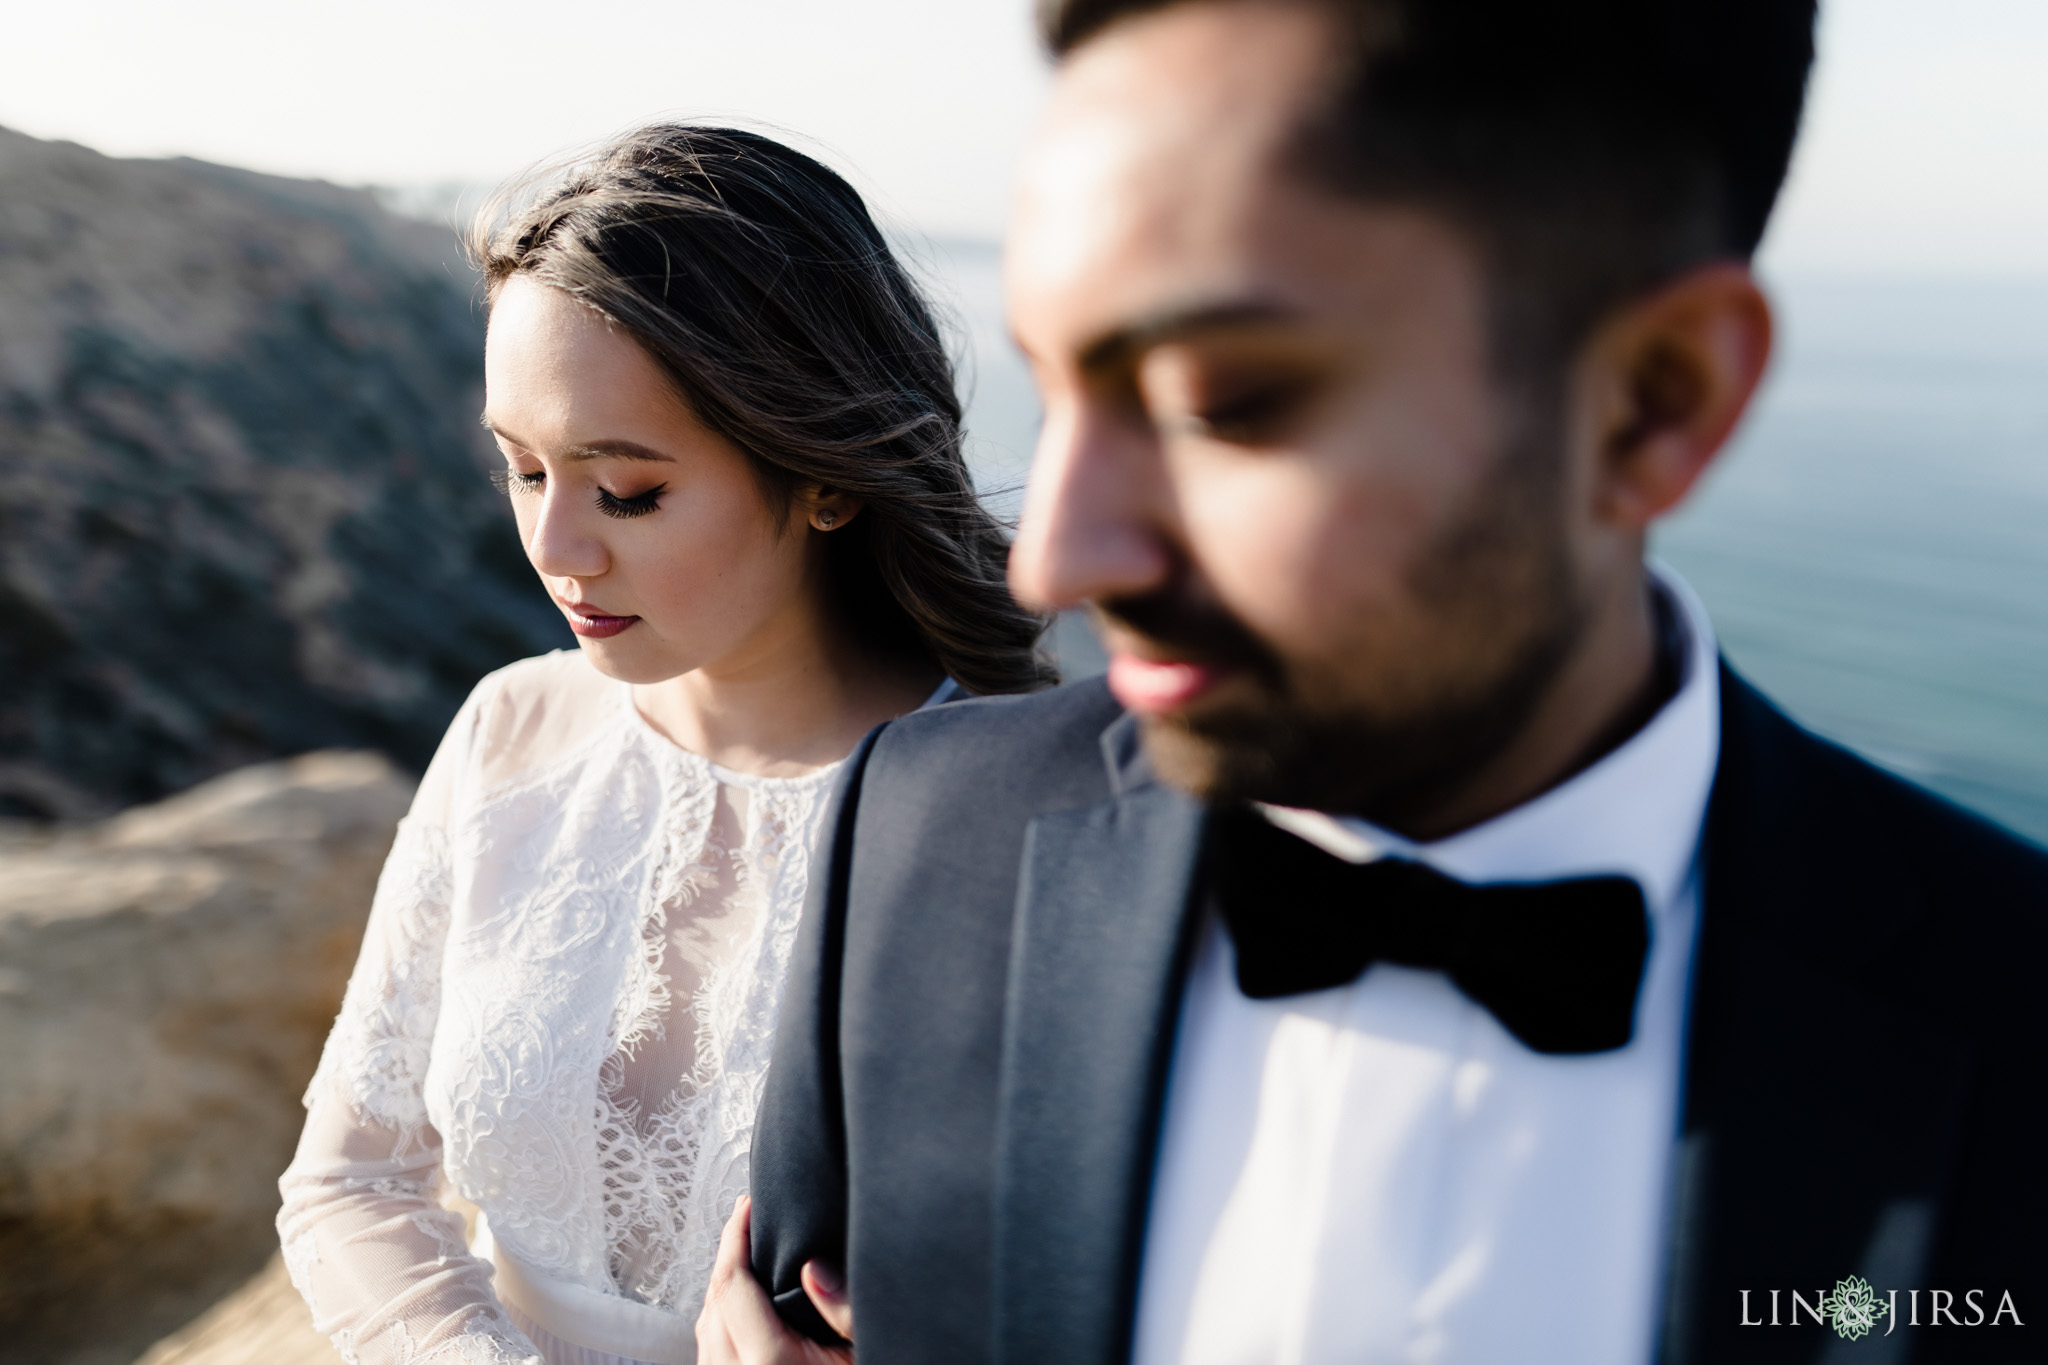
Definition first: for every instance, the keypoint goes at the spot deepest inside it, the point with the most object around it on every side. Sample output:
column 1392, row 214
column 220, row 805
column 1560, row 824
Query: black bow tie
column 1557, row 963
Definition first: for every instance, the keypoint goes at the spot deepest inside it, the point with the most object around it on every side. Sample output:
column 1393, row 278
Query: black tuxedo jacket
column 965, row 1100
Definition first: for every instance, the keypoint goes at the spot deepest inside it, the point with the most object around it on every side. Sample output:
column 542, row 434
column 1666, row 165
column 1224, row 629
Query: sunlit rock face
column 167, row 978
column 243, row 510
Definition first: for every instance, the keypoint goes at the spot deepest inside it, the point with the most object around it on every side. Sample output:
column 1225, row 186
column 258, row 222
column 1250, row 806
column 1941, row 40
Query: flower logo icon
column 1853, row 1308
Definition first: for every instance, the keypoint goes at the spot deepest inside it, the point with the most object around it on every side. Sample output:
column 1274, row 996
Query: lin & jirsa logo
column 1854, row 1309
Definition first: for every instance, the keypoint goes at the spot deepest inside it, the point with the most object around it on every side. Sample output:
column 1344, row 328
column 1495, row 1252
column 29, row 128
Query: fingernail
column 829, row 1279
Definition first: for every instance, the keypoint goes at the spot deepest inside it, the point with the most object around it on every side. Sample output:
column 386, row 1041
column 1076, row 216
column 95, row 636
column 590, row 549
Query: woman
column 733, row 449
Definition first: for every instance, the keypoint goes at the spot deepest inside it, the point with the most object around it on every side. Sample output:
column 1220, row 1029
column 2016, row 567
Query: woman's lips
column 592, row 624
column 1151, row 686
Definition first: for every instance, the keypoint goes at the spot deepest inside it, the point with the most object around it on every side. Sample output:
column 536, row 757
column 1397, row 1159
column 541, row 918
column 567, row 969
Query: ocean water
column 1873, row 545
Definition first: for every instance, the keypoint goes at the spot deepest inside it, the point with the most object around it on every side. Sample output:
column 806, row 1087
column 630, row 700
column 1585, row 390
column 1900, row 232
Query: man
column 1423, row 948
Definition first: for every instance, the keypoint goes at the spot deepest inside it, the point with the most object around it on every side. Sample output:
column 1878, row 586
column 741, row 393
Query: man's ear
column 1669, row 377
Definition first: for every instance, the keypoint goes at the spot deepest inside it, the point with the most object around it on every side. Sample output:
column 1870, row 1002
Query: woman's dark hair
column 756, row 279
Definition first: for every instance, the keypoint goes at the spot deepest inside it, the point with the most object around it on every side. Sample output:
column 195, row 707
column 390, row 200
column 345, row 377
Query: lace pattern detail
column 377, row 1053
column 737, row 1015
column 563, row 1014
column 458, row 1318
column 673, row 1176
column 496, row 1345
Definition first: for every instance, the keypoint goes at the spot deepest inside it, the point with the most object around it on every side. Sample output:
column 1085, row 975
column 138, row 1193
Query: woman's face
column 651, row 532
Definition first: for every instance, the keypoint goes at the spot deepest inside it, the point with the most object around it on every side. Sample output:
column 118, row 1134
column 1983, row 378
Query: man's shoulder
column 1885, row 879
column 1057, row 727
column 1054, row 734
column 1037, row 751
column 1813, row 789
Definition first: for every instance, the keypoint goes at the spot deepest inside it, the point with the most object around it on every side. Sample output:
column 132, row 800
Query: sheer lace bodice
column 562, row 1016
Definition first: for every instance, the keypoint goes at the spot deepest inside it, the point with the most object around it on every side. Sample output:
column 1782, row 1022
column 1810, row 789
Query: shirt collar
column 1636, row 812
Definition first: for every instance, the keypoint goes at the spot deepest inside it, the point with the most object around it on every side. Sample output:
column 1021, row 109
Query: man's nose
column 560, row 542
column 1094, row 513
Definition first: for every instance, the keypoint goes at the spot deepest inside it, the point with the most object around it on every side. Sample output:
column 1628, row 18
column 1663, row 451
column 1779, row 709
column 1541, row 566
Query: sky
column 1925, row 152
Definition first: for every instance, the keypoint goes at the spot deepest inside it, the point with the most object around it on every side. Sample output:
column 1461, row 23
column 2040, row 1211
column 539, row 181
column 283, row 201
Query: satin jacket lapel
column 1816, row 1114
column 1096, row 966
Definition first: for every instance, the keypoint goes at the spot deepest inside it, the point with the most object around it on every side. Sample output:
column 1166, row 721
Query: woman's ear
column 1670, row 377
column 826, row 509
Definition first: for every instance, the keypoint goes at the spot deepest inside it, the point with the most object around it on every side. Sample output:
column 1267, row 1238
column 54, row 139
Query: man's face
column 1331, row 556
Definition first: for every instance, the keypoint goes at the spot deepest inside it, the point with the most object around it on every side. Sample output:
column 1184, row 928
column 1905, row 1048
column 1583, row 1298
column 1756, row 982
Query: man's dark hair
column 1593, row 148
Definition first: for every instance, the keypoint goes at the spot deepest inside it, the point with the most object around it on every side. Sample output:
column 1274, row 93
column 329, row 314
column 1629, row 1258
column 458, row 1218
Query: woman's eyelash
column 609, row 503
column 639, row 505
column 513, row 481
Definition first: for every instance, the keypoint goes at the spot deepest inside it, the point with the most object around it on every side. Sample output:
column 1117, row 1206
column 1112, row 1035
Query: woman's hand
column 739, row 1326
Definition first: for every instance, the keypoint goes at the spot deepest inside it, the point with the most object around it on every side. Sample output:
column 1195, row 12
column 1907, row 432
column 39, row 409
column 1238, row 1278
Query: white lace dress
column 562, row 1017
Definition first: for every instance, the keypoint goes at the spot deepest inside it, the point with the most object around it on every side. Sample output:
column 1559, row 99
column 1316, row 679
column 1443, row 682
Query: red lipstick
column 592, row 624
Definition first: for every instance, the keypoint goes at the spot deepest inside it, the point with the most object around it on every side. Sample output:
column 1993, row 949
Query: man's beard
column 1387, row 738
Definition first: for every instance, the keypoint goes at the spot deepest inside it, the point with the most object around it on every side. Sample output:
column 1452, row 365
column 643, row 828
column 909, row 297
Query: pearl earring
column 827, row 519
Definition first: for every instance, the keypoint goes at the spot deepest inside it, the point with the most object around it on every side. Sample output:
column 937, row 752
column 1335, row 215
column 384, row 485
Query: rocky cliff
column 242, row 504
column 166, row 981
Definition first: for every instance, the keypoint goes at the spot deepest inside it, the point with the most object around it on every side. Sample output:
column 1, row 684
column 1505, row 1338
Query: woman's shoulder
column 530, row 713
column 556, row 674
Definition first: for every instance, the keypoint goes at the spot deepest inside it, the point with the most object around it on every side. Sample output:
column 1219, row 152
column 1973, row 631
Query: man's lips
column 1152, row 686
column 591, row 623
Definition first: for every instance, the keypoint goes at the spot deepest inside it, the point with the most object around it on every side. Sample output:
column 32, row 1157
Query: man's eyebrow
column 593, row 450
column 1175, row 324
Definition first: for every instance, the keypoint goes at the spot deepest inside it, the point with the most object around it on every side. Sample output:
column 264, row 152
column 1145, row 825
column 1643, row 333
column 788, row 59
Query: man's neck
column 1629, row 663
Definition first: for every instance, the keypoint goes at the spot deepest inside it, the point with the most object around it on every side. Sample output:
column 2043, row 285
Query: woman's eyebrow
column 615, row 450
column 589, row 450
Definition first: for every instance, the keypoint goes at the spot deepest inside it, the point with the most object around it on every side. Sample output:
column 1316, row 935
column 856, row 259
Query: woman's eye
column 639, row 505
column 513, row 481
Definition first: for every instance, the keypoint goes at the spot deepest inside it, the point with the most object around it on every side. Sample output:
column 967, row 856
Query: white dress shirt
column 1381, row 1172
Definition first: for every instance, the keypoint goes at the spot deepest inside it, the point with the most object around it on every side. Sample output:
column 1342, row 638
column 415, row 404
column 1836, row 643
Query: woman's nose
column 561, row 541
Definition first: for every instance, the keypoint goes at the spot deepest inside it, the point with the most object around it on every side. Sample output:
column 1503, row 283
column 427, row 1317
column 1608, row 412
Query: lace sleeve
column 384, row 1266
